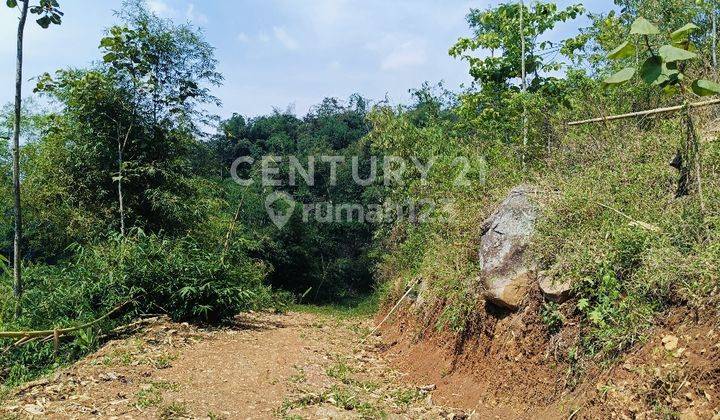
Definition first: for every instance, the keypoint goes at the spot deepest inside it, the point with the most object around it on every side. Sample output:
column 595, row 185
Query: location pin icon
column 282, row 215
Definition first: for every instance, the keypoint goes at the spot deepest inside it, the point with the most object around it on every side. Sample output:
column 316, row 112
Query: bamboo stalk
column 377, row 327
column 646, row 112
column 58, row 332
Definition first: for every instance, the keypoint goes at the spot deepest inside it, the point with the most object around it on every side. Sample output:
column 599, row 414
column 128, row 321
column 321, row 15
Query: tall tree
column 49, row 14
column 166, row 68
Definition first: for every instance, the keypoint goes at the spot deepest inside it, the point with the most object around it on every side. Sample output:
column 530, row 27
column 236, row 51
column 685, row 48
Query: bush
column 178, row 277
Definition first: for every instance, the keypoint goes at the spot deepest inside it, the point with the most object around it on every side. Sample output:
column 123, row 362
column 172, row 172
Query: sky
column 276, row 54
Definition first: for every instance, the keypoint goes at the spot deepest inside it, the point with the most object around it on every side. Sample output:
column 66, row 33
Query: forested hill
column 479, row 218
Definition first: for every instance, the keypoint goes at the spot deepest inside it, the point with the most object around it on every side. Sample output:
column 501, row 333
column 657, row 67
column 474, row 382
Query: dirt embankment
column 510, row 367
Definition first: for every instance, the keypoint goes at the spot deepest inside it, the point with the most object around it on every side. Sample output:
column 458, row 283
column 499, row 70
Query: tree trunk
column 714, row 36
column 524, row 82
column 121, row 201
column 17, row 248
column 120, row 192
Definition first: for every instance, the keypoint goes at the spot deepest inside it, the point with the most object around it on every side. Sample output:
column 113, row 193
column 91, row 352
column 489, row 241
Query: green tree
column 49, row 13
column 515, row 76
column 500, row 32
column 130, row 125
column 166, row 69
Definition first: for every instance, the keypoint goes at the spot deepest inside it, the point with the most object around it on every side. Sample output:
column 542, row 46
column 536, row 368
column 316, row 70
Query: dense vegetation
column 127, row 200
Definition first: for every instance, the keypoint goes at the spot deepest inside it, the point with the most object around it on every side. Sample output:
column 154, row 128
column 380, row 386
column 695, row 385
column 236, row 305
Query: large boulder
column 506, row 275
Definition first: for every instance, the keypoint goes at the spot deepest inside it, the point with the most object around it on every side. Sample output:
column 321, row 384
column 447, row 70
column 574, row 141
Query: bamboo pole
column 58, row 332
column 377, row 327
column 646, row 112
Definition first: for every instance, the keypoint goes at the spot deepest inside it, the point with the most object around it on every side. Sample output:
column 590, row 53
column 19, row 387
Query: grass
column 173, row 411
column 150, row 394
column 358, row 307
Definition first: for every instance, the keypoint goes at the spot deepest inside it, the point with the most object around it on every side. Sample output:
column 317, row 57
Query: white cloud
column 160, row 8
column 335, row 65
column 408, row 54
column 198, row 18
column 243, row 37
column 263, row 37
column 285, row 39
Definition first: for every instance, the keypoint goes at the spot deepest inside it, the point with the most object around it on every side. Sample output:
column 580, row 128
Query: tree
column 49, row 13
column 511, row 32
column 131, row 123
column 519, row 64
column 164, row 67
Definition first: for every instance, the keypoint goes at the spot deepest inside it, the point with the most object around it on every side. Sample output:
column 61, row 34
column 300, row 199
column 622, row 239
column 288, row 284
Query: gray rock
column 553, row 289
column 505, row 274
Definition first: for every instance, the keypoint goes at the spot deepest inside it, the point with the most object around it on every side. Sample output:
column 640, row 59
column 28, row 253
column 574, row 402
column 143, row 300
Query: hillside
column 543, row 242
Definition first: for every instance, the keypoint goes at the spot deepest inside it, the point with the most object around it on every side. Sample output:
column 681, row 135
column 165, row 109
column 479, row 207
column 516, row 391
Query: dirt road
column 296, row 365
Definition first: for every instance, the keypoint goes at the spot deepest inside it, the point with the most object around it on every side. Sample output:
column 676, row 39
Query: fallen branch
column 646, row 112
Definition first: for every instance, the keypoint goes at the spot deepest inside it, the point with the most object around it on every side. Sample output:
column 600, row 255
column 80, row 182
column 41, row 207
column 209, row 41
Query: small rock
column 670, row 342
column 33, row 409
column 110, row 376
column 553, row 290
column 427, row 388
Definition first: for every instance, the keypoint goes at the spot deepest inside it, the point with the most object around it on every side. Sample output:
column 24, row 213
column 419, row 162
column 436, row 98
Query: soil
column 296, row 365
column 306, row 365
column 510, row 367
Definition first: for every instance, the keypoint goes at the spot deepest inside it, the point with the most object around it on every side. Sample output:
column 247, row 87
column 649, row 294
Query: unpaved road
column 296, row 365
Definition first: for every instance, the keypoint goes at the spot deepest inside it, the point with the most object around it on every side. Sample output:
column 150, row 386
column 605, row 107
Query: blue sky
column 279, row 53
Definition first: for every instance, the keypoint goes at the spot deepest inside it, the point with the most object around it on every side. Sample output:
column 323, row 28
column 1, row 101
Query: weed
column 341, row 371
column 299, row 376
column 164, row 361
column 551, row 317
column 173, row 411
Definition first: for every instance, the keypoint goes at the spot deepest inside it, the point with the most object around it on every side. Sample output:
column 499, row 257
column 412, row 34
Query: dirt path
column 296, row 365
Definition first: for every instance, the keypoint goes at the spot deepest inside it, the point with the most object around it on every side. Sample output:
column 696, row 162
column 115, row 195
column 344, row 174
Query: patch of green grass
column 341, row 371
column 299, row 376
column 150, row 395
column 164, row 361
column 406, row 396
column 359, row 307
column 173, row 411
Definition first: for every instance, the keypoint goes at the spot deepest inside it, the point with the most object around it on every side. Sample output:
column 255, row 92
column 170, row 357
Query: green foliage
column 665, row 65
column 551, row 317
column 178, row 277
column 498, row 30
column 48, row 10
column 325, row 262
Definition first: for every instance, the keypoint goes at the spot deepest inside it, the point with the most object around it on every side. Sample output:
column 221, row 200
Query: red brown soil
column 508, row 366
column 316, row 366
column 265, row 366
